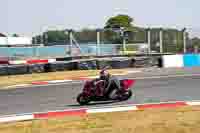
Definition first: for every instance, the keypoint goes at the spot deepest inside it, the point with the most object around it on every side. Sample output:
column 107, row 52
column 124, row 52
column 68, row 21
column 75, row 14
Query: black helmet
column 104, row 74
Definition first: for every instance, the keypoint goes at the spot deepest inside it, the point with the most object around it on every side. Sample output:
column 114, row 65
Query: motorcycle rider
column 110, row 81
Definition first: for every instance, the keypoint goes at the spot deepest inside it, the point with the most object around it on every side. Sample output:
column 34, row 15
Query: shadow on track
column 94, row 103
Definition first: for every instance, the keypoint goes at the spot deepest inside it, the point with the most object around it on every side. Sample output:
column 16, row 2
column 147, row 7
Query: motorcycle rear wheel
column 82, row 99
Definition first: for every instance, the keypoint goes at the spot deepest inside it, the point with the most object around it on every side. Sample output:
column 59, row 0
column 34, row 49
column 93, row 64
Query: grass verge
column 24, row 79
column 179, row 120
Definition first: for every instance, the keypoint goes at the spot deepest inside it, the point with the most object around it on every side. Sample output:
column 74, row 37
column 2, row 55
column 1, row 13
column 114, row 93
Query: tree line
column 172, row 38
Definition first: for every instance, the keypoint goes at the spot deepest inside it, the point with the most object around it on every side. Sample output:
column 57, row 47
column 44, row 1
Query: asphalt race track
column 63, row 96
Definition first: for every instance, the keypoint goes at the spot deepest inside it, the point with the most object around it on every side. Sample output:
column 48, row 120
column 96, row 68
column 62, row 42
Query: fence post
column 184, row 41
column 161, row 40
column 98, row 42
column 71, row 41
column 149, row 40
column 124, row 45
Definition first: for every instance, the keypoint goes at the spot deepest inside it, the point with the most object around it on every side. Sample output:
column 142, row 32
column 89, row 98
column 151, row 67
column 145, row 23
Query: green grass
column 179, row 120
column 24, row 79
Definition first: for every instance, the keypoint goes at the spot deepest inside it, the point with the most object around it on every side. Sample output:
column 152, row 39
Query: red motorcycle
column 90, row 92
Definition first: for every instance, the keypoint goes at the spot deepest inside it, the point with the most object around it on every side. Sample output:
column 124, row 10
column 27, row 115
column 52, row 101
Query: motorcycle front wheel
column 126, row 95
column 82, row 99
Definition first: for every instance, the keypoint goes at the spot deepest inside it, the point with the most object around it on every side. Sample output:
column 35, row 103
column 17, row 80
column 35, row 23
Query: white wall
column 172, row 61
column 15, row 41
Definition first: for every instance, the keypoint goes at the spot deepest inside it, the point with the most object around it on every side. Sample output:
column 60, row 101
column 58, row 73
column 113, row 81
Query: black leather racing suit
column 110, row 82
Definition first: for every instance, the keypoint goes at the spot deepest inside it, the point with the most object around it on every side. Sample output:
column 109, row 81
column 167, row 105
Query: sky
column 31, row 17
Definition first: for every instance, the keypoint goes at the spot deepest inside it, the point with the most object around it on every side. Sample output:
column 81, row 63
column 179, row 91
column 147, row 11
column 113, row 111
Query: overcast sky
column 29, row 17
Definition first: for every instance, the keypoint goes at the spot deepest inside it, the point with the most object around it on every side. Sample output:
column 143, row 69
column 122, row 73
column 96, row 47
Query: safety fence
column 67, row 51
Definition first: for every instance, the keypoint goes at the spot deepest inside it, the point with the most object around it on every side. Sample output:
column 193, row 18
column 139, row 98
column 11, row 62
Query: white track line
column 59, row 81
column 112, row 109
column 17, row 118
column 193, row 103
column 20, row 85
column 128, row 107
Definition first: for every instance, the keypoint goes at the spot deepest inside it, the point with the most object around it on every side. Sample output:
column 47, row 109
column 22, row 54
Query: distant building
column 2, row 35
column 15, row 41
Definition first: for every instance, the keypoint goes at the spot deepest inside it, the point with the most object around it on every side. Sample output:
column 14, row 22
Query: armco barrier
column 29, row 61
column 172, row 61
column 64, row 59
column 4, row 62
column 17, row 62
column 191, row 60
column 187, row 60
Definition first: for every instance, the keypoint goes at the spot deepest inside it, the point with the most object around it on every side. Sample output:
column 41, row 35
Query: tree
column 36, row 39
column 172, row 40
column 86, row 36
column 55, row 36
column 116, row 23
column 120, row 21
column 15, row 35
column 140, row 36
column 195, row 41
column 111, row 37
